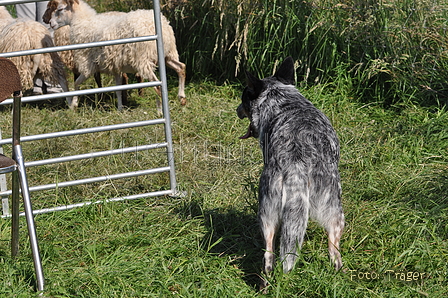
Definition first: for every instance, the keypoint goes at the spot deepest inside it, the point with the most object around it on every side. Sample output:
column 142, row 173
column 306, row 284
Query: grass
column 394, row 172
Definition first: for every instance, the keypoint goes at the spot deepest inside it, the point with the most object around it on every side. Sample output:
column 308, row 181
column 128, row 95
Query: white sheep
column 23, row 34
column 88, row 26
column 61, row 37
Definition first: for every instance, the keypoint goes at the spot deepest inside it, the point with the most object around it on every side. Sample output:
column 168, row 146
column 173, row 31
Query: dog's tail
column 295, row 218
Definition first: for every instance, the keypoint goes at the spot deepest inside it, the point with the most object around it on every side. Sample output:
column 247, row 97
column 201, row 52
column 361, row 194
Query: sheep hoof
column 183, row 101
column 72, row 102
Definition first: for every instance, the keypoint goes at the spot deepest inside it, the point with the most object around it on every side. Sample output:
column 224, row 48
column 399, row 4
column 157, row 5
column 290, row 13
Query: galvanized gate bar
column 125, row 198
column 165, row 107
column 100, row 179
column 81, row 131
column 84, row 92
column 79, row 46
column 93, row 180
column 94, row 154
column 6, row 2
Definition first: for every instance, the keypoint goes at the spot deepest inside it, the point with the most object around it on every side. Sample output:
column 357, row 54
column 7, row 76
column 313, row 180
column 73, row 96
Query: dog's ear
column 254, row 83
column 285, row 72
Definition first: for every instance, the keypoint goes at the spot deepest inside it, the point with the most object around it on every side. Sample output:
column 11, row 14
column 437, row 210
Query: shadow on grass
column 237, row 236
column 232, row 234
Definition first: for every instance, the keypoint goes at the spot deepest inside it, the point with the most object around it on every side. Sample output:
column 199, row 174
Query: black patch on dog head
column 250, row 93
column 285, row 72
column 254, row 85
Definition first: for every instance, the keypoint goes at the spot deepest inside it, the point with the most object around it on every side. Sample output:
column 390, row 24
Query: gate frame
column 165, row 120
column 168, row 144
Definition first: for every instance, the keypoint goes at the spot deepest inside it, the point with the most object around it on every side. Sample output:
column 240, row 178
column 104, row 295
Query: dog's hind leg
column 334, row 228
column 334, row 236
column 269, row 215
column 331, row 217
column 295, row 218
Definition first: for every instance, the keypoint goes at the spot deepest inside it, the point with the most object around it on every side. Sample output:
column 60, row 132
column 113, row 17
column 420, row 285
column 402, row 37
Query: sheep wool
column 23, row 34
column 5, row 17
column 86, row 25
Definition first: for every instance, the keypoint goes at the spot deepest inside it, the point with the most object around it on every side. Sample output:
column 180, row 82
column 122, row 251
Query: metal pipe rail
column 118, row 199
column 94, row 154
column 6, row 2
column 79, row 46
column 92, row 180
column 84, row 92
column 81, row 131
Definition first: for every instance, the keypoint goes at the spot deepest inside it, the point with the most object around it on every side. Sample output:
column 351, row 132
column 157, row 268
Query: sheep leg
column 180, row 69
column 152, row 77
column 124, row 93
column 139, row 80
column 63, row 83
column 29, row 78
column 36, row 63
column 158, row 101
column 81, row 79
column 97, row 77
column 118, row 81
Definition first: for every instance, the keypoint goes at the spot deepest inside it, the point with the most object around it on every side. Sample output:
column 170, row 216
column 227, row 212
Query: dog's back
column 300, row 178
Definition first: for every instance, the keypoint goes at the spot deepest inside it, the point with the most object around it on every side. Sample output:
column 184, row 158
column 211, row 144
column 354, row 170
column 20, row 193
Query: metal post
column 29, row 218
column 15, row 213
column 15, row 179
column 165, row 107
column 21, row 171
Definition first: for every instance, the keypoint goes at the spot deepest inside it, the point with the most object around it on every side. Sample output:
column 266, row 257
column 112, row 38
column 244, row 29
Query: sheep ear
column 254, row 83
column 285, row 72
column 71, row 2
column 51, row 6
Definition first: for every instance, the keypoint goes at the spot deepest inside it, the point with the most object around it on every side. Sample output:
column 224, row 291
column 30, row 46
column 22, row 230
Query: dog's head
column 255, row 87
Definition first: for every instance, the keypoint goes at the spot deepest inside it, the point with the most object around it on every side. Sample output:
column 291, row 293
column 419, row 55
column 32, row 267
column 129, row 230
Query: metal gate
column 167, row 145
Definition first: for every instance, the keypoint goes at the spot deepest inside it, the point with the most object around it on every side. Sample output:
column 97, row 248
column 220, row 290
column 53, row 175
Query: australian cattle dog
column 300, row 178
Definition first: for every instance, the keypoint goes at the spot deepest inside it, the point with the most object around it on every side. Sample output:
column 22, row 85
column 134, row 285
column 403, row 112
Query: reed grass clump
column 392, row 51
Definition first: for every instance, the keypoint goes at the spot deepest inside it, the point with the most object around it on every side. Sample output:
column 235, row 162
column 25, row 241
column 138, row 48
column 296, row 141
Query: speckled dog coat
column 300, row 179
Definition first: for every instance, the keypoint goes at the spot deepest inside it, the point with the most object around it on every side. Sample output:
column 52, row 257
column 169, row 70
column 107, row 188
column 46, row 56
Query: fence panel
column 166, row 145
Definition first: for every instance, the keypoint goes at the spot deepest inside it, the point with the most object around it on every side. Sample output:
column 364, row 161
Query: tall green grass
column 394, row 51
